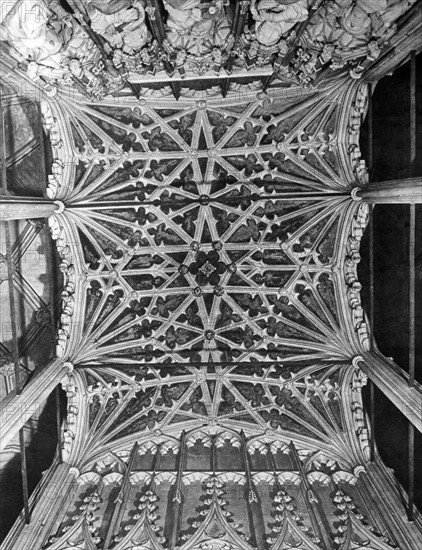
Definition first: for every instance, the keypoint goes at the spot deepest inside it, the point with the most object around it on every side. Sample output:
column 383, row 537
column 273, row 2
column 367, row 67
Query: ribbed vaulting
column 206, row 175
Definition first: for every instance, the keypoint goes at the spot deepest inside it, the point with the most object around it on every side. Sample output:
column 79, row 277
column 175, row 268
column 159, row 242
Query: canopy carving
column 101, row 48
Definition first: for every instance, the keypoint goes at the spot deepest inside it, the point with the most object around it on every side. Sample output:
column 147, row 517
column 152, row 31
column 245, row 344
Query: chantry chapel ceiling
column 209, row 234
column 207, row 245
column 211, row 306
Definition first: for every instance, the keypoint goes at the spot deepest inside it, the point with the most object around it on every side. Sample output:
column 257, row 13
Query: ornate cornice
column 307, row 44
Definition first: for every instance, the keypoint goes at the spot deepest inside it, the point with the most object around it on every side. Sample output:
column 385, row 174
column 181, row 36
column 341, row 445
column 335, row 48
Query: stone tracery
column 211, row 306
column 183, row 326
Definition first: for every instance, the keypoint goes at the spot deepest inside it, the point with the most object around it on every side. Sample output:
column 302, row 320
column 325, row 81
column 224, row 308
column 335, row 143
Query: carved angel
column 276, row 17
column 357, row 21
column 366, row 18
column 395, row 8
column 196, row 26
column 120, row 22
column 183, row 14
column 38, row 33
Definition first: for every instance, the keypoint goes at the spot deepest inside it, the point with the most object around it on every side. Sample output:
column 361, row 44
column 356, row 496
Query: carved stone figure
column 357, row 21
column 89, row 78
column 196, row 27
column 183, row 14
column 326, row 23
column 395, row 8
column 52, row 43
column 276, row 17
column 351, row 24
column 120, row 22
column 37, row 33
column 368, row 18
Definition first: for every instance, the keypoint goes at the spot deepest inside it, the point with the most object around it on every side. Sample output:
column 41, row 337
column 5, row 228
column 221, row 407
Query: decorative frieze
column 101, row 49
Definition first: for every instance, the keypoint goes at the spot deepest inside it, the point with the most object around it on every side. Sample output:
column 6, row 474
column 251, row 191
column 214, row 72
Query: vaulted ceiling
column 209, row 248
column 192, row 238
column 203, row 242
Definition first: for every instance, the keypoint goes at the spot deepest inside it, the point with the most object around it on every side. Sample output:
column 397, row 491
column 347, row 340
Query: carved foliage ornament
column 96, row 48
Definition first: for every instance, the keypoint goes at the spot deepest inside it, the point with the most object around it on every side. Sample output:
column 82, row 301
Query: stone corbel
column 353, row 287
column 55, row 124
column 359, row 380
column 68, row 384
column 66, row 267
column 55, row 179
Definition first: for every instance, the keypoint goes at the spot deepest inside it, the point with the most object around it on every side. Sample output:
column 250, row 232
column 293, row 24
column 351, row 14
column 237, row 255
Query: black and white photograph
column 211, row 275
